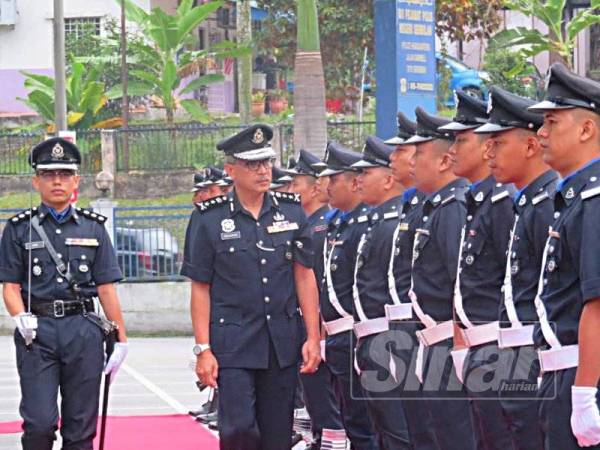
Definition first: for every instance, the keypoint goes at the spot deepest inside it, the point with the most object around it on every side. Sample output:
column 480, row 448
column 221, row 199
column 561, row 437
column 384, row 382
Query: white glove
column 458, row 360
column 585, row 417
column 26, row 323
column 323, row 342
column 116, row 359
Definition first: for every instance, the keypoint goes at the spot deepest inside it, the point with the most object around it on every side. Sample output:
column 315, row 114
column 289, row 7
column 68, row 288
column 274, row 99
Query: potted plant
column 335, row 99
column 277, row 101
column 258, row 102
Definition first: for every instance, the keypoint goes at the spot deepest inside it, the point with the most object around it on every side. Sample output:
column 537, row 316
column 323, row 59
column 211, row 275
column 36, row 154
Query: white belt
column 402, row 311
column 339, row 325
column 437, row 333
column 480, row 334
column 560, row 358
column 371, row 326
column 515, row 336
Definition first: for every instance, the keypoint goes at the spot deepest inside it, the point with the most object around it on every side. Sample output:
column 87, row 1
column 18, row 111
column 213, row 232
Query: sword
column 110, row 345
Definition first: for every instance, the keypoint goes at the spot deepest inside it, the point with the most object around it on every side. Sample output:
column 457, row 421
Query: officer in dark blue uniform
column 568, row 301
column 417, row 415
column 339, row 256
column 516, row 157
column 59, row 346
column 376, row 302
column 482, row 261
column 318, row 394
column 249, row 256
column 434, row 259
column 281, row 180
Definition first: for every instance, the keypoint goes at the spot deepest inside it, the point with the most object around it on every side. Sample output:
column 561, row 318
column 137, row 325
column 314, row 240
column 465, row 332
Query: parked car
column 147, row 252
column 463, row 77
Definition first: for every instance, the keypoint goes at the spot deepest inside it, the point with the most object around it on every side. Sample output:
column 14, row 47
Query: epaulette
column 287, row 197
column 24, row 215
column 449, row 199
column 592, row 191
column 540, row 198
column 91, row 215
column 212, row 203
column 501, row 191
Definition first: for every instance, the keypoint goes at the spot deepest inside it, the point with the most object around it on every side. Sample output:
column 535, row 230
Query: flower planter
column 276, row 106
column 334, row 105
column 257, row 109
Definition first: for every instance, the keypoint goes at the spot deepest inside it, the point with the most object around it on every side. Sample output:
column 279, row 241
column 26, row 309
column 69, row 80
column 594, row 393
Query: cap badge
column 58, row 151
column 490, row 104
column 227, row 225
column 258, row 137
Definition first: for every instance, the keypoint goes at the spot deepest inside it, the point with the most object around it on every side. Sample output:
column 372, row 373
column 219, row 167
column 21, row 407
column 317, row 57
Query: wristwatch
column 199, row 348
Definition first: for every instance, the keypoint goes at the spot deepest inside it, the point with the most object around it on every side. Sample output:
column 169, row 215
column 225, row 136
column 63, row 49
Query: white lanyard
column 507, row 287
column 333, row 299
column 458, row 300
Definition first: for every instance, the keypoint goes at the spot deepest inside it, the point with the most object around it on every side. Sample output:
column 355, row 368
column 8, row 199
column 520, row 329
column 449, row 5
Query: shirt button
column 258, row 224
column 551, row 249
column 556, row 215
column 425, row 219
column 231, row 249
column 59, row 279
column 260, row 242
column 59, row 255
column 268, row 317
column 267, row 299
column 469, row 218
column 83, row 257
column 545, row 281
column 263, row 261
column 221, row 320
column 58, row 231
column 265, row 280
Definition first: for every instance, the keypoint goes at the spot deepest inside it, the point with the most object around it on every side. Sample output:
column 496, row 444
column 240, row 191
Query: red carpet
column 178, row 432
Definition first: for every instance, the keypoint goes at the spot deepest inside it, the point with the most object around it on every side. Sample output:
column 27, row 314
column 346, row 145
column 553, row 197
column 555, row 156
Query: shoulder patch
column 499, row 196
column 589, row 193
column 361, row 219
column 286, row 197
column 89, row 214
column 23, row 215
column 212, row 203
column 449, row 199
column 540, row 198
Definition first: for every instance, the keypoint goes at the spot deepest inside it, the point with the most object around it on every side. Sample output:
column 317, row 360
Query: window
column 78, row 26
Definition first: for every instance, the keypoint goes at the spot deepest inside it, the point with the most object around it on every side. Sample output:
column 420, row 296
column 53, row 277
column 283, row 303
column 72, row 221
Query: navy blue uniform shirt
column 374, row 258
column 572, row 270
column 490, row 217
column 535, row 210
column 434, row 271
column 80, row 239
column 345, row 232
column 318, row 223
column 410, row 218
column 248, row 263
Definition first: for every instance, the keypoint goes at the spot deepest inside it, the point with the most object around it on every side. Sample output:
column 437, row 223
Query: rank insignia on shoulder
column 286, row 196
column 211, row 203
column 362, row 219
column 91, row 215
column 540, row 198
column 589, row 193
column 450, row 198
column 499, row 196
column 390, row 215
column 23, row 215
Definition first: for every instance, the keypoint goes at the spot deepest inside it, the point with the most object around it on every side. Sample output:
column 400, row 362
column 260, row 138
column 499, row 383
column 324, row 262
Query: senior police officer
column 482, row 261
column 568, row 301
column 339, row 255
column 376, row 302
column 318, row 394
column 434, row 259
column 249, row 257
column 54, row 260
column 516, row 157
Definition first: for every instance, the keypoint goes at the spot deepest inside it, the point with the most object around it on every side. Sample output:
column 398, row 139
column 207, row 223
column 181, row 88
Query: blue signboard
column 405, row 60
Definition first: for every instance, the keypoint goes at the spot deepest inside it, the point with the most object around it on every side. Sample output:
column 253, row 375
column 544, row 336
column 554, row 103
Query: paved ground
column 156, row 379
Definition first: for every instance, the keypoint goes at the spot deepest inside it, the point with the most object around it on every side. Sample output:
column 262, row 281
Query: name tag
column 232, row 235
column 82, row 242
column 279, row 227
column 319, row 228
column 34, row 245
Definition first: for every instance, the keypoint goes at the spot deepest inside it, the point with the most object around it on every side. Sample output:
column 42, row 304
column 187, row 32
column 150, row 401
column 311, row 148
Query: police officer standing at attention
column 319, row 397
column 417, row 415
column 434, row 258
column 249, row 256
column 482, row 263
column 54, row 260
column 339, row 256
column 568, row 301
column 516, row 157
column 374, row 305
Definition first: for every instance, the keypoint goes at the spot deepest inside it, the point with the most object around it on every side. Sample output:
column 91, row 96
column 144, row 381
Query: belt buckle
column 59, row 308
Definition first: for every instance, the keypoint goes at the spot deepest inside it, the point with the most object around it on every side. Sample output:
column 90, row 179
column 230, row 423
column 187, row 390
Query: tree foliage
column 467, row 20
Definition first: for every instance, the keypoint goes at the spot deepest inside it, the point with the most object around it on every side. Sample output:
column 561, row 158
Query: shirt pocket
column 232, row 258
column 282, row 244
column 81, row 262
column 225, row 328
column 475, row 249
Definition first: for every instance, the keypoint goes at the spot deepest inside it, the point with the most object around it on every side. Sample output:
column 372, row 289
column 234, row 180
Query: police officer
column 516, row 157
column 376, row 302
column 482, row 263
column 249, row 257
column 339, row 255
column 434, row 258
column 198, row 191
column 54, row 260
column 417, row 415
column 568, row 301
column 281, row 180
column 318, row 394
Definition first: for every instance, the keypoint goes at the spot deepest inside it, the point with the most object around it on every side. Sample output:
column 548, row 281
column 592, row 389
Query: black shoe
column 204, row 409
column 209, row 417
column 214, row 425
column 314, row 445
column 296, row 438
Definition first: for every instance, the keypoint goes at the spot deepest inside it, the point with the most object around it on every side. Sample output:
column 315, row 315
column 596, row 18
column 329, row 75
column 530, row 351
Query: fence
column 165, row 148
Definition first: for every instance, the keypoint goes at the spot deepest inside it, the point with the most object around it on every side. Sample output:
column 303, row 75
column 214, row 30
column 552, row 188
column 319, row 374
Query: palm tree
column 310, row 121
column 244, row 39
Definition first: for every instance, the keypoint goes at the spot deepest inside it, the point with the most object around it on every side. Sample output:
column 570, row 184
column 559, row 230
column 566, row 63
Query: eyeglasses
column 49, row 175
column 253, row 166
